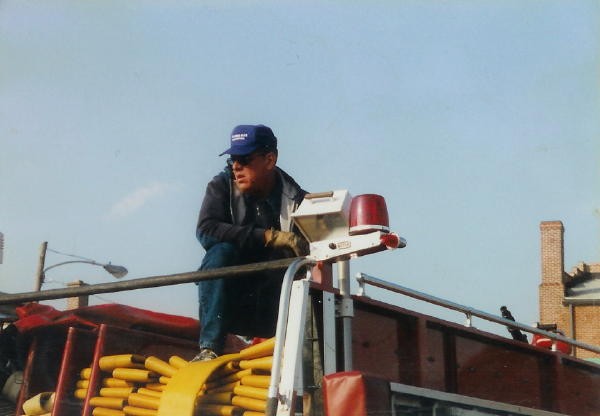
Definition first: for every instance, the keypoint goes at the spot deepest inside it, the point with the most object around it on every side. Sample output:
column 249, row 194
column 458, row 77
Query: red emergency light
column 338, row 226
column 368, row 213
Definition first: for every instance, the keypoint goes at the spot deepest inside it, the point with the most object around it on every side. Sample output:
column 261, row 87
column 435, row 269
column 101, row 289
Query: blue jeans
column 246, row 305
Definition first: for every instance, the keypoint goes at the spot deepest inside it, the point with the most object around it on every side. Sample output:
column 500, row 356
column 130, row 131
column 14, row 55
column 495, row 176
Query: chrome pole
column 346, row 311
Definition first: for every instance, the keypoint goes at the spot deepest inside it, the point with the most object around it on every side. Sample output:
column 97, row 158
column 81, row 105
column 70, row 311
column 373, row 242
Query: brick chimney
column 80, row 301
column 551, row 289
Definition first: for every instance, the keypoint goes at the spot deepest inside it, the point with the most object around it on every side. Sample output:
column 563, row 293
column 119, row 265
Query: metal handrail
column 282, row 318
column 364, row 278
column 146, row 282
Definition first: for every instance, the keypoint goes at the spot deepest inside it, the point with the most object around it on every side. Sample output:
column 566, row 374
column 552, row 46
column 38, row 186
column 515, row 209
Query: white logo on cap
column 239, row 136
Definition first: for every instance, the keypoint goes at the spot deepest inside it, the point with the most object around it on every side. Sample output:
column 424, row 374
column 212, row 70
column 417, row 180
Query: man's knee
column 221, row 254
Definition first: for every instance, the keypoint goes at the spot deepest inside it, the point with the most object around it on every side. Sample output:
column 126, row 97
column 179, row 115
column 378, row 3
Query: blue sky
column 475, row 119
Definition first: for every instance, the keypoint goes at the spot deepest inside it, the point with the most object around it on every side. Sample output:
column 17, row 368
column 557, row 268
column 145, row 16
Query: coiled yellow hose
column 231, row 385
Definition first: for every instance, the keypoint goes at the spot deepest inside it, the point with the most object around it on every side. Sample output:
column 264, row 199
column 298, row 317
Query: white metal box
column 323, row 216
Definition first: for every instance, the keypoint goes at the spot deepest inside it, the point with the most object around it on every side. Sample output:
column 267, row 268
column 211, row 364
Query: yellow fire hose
column 248, row 403
column 179, row 396
column 225, row 387
column 251, row 392
column 80, row 394
column 215, row 398
column 115, row 382
column 85, row 373
column 108, row 402
column 159, row 366
column 141, row 400
column 155, row 387
column 138, row 411
column 256, row 381
column 101, row 411
column 228, row 379
column 82, row 384
column 110, row 362
column 135, row 374
column 216, row 410
column 226, row 370
column 177, row 362
column 39, row 404
column 122, row 392
column 147, row 392
column 264, row 349
column 231, row 385
column 263, row 363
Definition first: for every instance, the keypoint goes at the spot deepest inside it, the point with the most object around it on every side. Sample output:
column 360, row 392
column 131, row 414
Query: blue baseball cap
column 245, row 139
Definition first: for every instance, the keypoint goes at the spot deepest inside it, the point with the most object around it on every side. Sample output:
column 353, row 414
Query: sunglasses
column 243, row 160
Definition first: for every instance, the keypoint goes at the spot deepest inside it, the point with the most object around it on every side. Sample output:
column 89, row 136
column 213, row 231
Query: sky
column 476, row 120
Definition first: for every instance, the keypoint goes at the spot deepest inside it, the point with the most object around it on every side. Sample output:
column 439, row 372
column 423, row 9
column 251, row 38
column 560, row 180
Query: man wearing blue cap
column 245, row 218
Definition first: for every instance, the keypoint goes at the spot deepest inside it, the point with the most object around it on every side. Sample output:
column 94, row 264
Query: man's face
column 253, row 173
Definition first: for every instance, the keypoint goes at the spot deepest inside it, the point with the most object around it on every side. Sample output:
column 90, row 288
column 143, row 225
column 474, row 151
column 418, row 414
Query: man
column 245, row 218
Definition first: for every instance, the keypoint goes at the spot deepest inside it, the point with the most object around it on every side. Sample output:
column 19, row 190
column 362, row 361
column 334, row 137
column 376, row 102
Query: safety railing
column 273, row 396
column 364, row 279
column 145, row 282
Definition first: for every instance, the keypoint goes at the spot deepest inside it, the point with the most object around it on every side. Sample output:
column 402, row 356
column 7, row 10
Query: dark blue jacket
column 223, row 213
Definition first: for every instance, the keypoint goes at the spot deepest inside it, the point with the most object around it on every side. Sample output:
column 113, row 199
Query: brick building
column 571, row 300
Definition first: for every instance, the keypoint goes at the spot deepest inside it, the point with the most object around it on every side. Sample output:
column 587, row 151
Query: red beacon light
column 368, row 213
column 339, row 226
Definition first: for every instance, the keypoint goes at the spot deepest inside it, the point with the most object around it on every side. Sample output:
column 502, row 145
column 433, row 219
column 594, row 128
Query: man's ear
column 271, row 160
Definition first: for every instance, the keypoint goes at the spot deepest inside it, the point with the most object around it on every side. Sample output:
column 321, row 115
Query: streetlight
column 115, row 270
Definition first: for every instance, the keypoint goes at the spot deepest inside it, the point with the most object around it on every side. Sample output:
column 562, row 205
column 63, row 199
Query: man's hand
column 283, row 239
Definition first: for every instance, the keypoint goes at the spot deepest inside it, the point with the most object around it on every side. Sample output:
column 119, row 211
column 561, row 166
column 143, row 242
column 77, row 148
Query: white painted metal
column 281, row 331
column 324, row 216
column 290, row 385
column 349, row 246
column 346, row 311
column 329, row 349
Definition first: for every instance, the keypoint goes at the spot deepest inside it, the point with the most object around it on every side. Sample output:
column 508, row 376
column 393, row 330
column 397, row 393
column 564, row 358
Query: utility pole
column 40, row 271
column 1, row 247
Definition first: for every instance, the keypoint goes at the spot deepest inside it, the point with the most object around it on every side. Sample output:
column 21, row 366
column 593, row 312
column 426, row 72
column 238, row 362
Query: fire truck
column 334, row 352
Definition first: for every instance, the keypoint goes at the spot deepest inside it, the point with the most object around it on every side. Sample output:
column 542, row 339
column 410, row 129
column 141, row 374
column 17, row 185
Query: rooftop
column 583, row 284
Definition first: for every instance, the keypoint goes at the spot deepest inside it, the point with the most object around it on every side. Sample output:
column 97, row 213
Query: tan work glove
column 284, row 239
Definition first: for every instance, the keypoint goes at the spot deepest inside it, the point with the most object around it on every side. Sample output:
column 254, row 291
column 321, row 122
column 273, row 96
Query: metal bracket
column 361, row 285
column 469, row 322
